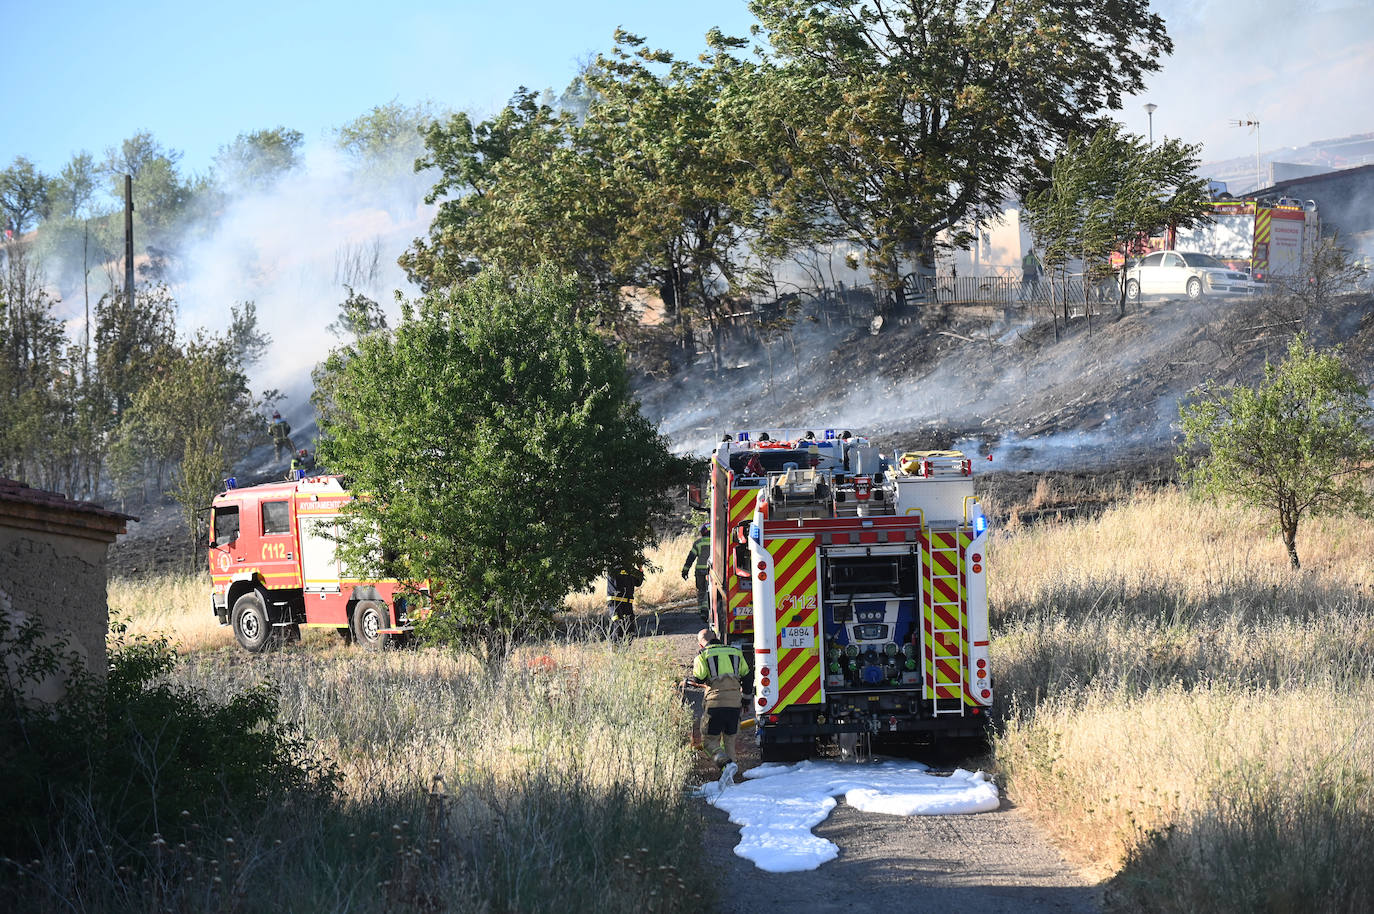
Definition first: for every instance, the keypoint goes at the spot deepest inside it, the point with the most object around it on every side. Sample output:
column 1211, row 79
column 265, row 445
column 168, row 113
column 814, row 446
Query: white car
column 1186, row 273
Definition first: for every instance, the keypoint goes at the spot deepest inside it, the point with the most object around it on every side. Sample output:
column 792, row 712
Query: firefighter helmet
column 302, row 453
column 704, row 530
column 276, row 415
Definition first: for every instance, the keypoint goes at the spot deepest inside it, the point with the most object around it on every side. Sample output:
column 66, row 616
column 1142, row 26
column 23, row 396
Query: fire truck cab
column 273, row 568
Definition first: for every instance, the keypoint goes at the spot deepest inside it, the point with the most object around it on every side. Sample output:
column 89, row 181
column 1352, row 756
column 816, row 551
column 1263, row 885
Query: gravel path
column 994, row 863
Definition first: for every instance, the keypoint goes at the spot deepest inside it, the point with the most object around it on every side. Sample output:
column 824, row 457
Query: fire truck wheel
column 368, row 617
column 252, row 628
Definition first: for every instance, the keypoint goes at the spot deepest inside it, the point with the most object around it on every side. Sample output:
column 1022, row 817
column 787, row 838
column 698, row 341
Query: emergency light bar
column 231, row 483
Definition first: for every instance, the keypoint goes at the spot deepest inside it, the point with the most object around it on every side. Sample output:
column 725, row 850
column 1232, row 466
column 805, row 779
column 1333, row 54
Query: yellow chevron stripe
column 791, row 691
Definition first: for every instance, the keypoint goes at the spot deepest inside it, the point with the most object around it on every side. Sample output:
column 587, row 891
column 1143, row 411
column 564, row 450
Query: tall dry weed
column 1184, row 710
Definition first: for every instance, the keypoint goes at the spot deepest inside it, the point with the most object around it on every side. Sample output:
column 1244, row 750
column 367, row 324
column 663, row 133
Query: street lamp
column 1150, row 109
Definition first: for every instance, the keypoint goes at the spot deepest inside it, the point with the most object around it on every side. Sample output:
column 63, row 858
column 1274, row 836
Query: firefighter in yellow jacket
column 720, row 667
column 700, row 558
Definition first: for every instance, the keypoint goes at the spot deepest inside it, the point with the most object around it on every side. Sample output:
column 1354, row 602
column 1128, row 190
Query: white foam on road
column 778, row 805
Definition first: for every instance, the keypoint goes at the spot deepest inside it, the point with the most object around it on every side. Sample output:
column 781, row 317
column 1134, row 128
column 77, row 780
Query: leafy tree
column 1108, row 190
column 1296, row 445
column 388, row 138
column 358, row 316
column 498, row 451
column 160, row 193
column 247, row 342
column 513, row 193
column 897, row 120
column 133, row 338
column 73, row 190
column 257, row 160
column 32, row 361
column 24, row 192
column 686, row 201
column 188, row 422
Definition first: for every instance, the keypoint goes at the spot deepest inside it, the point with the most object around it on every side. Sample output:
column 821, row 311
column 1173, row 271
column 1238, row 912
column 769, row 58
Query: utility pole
column 1254, row 125
column 129, row 239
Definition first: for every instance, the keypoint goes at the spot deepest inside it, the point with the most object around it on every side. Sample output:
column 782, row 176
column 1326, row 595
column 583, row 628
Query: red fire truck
column 859, row 582
column 273, row 568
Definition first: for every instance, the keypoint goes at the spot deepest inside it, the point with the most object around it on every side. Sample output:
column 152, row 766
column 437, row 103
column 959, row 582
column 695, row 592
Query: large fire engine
column 860, row 583
column 274, row 570
column 1266, row 238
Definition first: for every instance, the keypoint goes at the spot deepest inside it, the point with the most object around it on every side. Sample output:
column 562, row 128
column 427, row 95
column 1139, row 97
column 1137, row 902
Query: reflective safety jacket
column 621, row 584
column 700, row 554
column 721, row 667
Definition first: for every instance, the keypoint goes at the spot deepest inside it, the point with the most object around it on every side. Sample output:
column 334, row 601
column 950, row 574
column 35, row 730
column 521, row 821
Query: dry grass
column 663, row 583
column 176, row 605
column 1183, row 709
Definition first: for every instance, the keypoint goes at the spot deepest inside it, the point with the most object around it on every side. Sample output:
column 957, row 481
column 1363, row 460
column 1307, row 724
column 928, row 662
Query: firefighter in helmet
column 302, row 461
column 620, row 600
column 281, row 435
column 720, row 668
column 700, row 556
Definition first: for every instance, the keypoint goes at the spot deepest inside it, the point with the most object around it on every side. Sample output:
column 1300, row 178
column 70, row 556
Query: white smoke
column 290, row 249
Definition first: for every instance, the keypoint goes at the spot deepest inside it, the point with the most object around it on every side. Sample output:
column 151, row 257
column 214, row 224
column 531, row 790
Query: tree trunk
column 1290, row 541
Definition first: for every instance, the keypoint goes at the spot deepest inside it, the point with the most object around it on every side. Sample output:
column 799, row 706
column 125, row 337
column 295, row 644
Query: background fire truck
column 1267, row 239
column 273, row 568
column 861, row 587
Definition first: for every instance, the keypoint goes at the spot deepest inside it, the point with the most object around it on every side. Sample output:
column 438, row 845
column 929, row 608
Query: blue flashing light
column 756, row 532
column 231, row 483
column 300, row 474
column 830, row 433
column 980, row 523
column 743, row 436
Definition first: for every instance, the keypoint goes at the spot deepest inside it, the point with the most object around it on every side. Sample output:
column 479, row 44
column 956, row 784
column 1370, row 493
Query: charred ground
column 1073, row 415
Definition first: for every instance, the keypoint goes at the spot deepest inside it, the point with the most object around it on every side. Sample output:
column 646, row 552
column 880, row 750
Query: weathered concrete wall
column 59, row 580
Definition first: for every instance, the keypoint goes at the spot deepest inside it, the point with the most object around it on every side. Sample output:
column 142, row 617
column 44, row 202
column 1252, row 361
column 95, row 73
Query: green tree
column 1108, row 190
column 514, row 192
column 24, row 194
column 73, row 190
column 901, row 119
column 687, row 201
column 187, row 424
column 498, row 453
column 133, row 338
column 161, row 195
column 358, row 316
column 387, row 139
column 1296, row 445
column 257, row 160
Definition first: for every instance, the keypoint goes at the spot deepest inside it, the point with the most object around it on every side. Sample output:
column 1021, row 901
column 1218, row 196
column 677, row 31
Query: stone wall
column 59, row 580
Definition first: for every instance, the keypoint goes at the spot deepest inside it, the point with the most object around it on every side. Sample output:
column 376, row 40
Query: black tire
column 252, row 628
column 368, row 617
column 1132, row 290
column 1194, row 288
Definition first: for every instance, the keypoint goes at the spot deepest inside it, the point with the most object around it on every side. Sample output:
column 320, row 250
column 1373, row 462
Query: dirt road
column 993, row 863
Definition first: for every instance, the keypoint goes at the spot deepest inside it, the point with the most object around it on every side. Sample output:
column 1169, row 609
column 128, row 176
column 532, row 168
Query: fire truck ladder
column 939, row 586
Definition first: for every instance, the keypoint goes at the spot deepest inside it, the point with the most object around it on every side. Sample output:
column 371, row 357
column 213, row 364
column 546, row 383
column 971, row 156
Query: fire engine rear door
column 798, row 637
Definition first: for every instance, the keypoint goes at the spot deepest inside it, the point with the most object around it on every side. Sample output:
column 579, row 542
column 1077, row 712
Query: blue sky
column 86, row 75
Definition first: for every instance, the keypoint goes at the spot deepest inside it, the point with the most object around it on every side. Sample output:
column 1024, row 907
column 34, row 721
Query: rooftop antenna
column 1254, row 126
